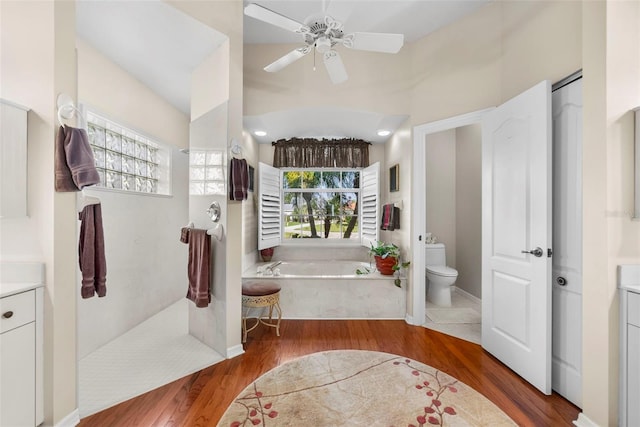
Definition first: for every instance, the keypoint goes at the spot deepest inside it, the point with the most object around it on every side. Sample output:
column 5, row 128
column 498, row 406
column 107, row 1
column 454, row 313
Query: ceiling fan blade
column 289, row 58
column 269, row 16
column 375, row 42
column 335, row 67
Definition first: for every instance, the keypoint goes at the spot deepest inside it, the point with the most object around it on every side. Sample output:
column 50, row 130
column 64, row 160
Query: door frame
column 419, row 206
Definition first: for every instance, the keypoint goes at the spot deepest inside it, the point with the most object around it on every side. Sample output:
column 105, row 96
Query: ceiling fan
column 322, row 32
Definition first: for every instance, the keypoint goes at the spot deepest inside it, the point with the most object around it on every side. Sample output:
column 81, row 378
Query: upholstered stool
column 260, row 295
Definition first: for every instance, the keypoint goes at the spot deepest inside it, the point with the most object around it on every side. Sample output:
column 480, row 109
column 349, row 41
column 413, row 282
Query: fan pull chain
column 314, row 59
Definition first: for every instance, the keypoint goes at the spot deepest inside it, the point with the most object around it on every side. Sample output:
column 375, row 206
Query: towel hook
column 234, row 147
column 67, row 110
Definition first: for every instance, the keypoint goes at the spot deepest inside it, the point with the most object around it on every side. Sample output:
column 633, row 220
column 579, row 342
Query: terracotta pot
column 266, row 254
column 385, row 265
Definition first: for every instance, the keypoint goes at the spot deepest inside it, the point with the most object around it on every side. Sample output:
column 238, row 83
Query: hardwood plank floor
column 201, row 399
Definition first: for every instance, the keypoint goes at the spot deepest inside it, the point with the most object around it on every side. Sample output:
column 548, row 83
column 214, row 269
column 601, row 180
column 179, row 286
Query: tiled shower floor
column 156, row 352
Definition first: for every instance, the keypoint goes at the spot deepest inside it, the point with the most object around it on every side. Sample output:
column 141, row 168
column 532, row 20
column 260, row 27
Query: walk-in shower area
column 136, row 338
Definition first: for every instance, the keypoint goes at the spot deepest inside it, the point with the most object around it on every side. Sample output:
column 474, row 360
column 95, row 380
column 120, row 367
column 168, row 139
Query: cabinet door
column 17, row 370
column 633, row 375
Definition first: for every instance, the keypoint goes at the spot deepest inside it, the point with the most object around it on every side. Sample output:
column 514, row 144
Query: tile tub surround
column 332, row 290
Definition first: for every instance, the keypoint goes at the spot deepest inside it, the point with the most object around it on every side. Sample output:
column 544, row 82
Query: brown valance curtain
column 325, row 153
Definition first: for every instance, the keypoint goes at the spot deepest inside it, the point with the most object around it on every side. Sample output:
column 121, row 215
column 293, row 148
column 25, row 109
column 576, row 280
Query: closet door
column 567, row 242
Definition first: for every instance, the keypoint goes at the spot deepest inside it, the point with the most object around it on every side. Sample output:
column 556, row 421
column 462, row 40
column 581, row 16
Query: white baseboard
column 71, row 420
column 410, row 320
column 584, row 421
column 467, row 294
column 235, row 351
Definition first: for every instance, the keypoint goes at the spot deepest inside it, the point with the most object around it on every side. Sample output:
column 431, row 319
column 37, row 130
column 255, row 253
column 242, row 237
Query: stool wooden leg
column 279, row 310
column 244, row 327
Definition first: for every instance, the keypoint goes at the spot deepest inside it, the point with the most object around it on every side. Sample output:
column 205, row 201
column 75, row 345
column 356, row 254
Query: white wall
column 611, row 52
column 209, row 132
column 37, row 61
column 440, row 165
column 453, row 204
column 146, row 263
column 226, row 17
column 468, row 214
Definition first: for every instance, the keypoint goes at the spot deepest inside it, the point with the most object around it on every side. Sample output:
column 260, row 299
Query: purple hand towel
column 238, row 179
column 64, row 181
column 198, row 268
column 75, row 169
column 93, row 264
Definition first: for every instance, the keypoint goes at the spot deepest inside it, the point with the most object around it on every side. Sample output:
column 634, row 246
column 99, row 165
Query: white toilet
column 440, row 278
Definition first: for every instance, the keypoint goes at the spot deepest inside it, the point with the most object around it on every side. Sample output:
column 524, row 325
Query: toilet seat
column 442, row 270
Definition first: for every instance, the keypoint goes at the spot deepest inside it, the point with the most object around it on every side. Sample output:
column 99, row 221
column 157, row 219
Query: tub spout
column 269, row 269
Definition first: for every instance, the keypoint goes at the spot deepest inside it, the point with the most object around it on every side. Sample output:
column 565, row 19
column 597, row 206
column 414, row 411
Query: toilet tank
column 435, row 254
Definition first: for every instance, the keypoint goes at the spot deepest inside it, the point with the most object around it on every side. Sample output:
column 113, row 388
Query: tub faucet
column 272, row 266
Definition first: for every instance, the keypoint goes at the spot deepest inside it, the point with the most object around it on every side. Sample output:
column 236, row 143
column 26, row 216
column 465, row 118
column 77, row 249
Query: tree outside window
column 321, row 204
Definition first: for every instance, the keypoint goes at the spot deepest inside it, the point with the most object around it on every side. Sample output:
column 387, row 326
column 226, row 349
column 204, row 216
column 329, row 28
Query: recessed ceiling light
column 260, row 133
column 384, row 132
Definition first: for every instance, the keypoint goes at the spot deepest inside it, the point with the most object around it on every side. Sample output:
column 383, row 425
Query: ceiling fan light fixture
column 323, row 44
column 260, row 133
column 384, row 132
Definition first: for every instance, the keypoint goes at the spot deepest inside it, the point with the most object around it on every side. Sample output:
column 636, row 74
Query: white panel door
column 516, row 217
column 567, row 241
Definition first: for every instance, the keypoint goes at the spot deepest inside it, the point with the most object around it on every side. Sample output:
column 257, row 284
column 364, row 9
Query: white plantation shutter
column 369, row 191
column 270, row 207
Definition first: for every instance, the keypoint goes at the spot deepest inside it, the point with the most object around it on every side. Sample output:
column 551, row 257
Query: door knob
column 535, row 252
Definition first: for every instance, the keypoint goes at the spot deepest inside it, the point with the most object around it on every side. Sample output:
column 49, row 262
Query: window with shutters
column 320, row 204
column 335, row 205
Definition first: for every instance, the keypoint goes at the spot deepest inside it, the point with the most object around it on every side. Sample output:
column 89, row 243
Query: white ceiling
column 160, row 46
column 413, row 18
column 153, row 41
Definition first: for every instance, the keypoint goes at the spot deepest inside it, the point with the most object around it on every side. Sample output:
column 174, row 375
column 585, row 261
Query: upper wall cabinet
column 13, row 160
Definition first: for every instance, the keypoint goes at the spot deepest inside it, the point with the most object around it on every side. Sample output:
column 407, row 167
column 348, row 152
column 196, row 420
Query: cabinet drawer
column 17, row 310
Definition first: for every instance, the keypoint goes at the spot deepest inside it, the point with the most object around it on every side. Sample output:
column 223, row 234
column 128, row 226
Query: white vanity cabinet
column 629, row 277
column 21, row 313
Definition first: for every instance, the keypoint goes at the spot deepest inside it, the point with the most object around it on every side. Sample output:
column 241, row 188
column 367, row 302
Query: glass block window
column 207, row 172
column 127, row 160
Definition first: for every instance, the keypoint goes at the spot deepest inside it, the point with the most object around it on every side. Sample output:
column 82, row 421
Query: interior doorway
column 567, row 319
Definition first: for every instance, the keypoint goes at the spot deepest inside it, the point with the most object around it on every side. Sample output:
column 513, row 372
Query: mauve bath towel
column 198, row 268
column 238, row 179
column 93, row 264
column 74, row 163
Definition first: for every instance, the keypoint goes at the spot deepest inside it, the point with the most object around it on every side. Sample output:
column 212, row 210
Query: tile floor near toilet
column 461, row 320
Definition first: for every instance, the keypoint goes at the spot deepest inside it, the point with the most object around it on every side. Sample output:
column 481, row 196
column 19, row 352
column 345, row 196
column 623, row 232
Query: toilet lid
column 442, row 270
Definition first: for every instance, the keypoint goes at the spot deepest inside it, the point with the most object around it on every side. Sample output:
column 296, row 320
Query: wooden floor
column 201, row 399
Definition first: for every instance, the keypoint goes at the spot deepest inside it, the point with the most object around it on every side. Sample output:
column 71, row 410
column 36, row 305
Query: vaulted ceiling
column 160, row 46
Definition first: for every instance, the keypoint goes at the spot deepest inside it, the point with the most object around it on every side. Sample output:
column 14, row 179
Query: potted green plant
column 397, row 270
column 386, row 256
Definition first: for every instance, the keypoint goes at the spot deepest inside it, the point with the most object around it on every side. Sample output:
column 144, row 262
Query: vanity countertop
column 17, row 277
column 629, row 277
column 8, row 289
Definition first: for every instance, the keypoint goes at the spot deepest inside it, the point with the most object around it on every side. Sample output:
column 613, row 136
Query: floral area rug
column 360, row 388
